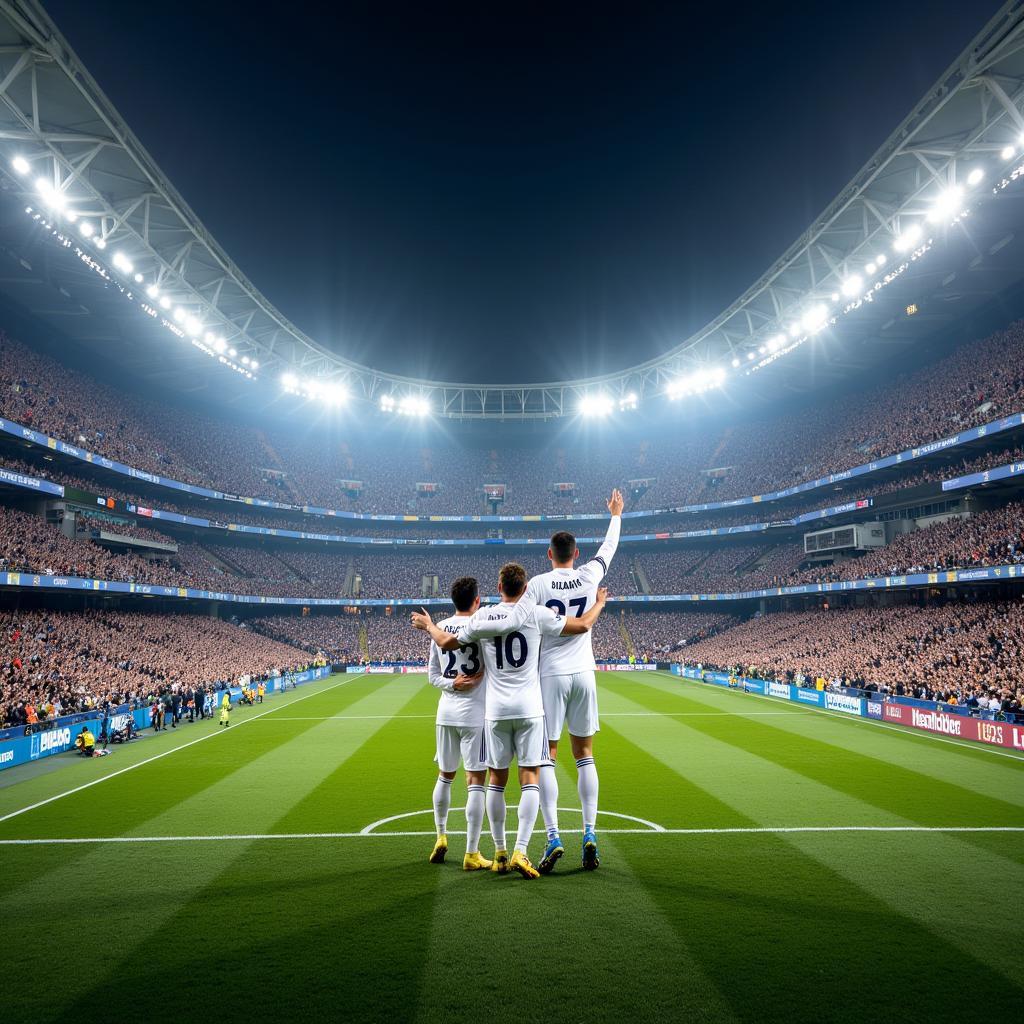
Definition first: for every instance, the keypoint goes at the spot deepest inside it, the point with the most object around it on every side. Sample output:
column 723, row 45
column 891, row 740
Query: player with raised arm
column 568, row 681
column 510, row 636
column 458, row 675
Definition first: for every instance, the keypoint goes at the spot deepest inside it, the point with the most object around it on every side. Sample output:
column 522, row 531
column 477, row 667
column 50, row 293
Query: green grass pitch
column 708, row 926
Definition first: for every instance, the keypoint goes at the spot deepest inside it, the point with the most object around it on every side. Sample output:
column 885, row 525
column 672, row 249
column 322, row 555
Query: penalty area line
column 266, row 836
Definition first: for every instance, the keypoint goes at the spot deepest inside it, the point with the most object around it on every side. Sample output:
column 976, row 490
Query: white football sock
column 529, row 804
column 586, row 782
column 474, row 818
column 442, row 802
column 496, row 814
column 549, row 799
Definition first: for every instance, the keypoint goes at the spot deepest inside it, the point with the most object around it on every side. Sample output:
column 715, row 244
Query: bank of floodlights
column 596, row 405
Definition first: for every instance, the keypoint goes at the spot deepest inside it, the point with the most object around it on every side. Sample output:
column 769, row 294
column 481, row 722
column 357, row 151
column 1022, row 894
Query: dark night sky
column 492, row 195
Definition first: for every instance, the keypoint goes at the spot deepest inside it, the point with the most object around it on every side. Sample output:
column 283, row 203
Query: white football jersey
column 457, row 707
column 510, row 640
column 572, row 592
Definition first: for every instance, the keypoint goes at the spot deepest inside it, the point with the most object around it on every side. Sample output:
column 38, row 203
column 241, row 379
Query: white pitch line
column 259, row 837
column 173, row 750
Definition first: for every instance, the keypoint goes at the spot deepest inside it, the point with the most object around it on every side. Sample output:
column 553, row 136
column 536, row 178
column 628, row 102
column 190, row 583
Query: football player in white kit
column 568, row 683
column 510, row 637
column 458, row 675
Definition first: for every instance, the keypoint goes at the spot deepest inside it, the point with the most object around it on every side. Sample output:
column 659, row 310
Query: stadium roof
column 69, row 164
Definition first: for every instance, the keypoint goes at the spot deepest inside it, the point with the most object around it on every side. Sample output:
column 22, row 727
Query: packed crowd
column 977, row 383
column 54, row 663
column 958, row 652
column 656, row 635
column 336, row 636
column 30, row 544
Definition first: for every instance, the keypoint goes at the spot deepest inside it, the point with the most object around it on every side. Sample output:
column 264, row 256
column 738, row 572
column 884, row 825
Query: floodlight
column 794, row 331
column 1007, row 152
column 289, row 381
column 815, row 317
column 86, row 228
column 975, row 176
column 179, row 315
column 735, row 362
column 138, row 279
column 947, row 205
column 101, row 243
column 219, row 345
column 254, row 365
column 910, row 237
column 750, row 355
column 165, row 303
column 232, row 352
column 387, row 403
column 881, row 258
column 21, row 165
column 871, row 268
column 598, row 404
column 53, row 197
column 853, row 285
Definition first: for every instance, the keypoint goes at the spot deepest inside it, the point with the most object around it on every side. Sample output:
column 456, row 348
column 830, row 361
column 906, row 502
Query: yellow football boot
column 475, row 862
column 521, row 863
column 439, row 850
column 500, row 862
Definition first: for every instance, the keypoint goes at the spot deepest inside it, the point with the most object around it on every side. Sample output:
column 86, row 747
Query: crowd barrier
column 917, row 714
column 41, row 440
column 23, row 744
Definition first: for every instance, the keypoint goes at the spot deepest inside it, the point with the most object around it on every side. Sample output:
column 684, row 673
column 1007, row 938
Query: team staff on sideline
column 514, row 709
column 568, row 680
column 460, row 727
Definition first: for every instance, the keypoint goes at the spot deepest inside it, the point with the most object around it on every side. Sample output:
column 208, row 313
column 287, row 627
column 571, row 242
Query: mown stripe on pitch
column 99, row 880
column 945, row 758
column 868, row 777
column 111, row 805
column 391, row 773
column 331, row 926
column 724, row 903
column 132, row 800
column 939, row 890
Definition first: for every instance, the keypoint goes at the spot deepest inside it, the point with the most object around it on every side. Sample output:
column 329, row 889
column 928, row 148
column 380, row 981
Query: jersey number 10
column 511, row 648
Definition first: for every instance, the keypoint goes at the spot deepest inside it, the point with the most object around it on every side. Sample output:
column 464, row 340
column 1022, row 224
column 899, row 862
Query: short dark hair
column 464, row 592
column 563, row 546
column 512, row 579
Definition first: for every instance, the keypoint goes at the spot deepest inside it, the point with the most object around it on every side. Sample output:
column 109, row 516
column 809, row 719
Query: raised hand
column 616, row 502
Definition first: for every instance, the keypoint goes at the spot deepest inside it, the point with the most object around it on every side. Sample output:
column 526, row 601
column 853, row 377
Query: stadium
column 233, row 550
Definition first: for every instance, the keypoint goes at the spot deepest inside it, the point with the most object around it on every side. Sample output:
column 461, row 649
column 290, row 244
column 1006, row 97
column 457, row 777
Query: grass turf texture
column 801, row 926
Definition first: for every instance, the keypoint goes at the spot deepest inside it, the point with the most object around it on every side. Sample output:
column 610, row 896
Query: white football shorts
column 465, row 742
column 525, row 739
column 570, row 700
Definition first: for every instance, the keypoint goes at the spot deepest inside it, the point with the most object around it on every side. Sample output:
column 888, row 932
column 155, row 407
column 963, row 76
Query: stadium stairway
column 626, row 638
column 758, row 556
column 364, row 642
column 291, row 568
column 640, row 580
column 278, row 463
column 223, row 563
